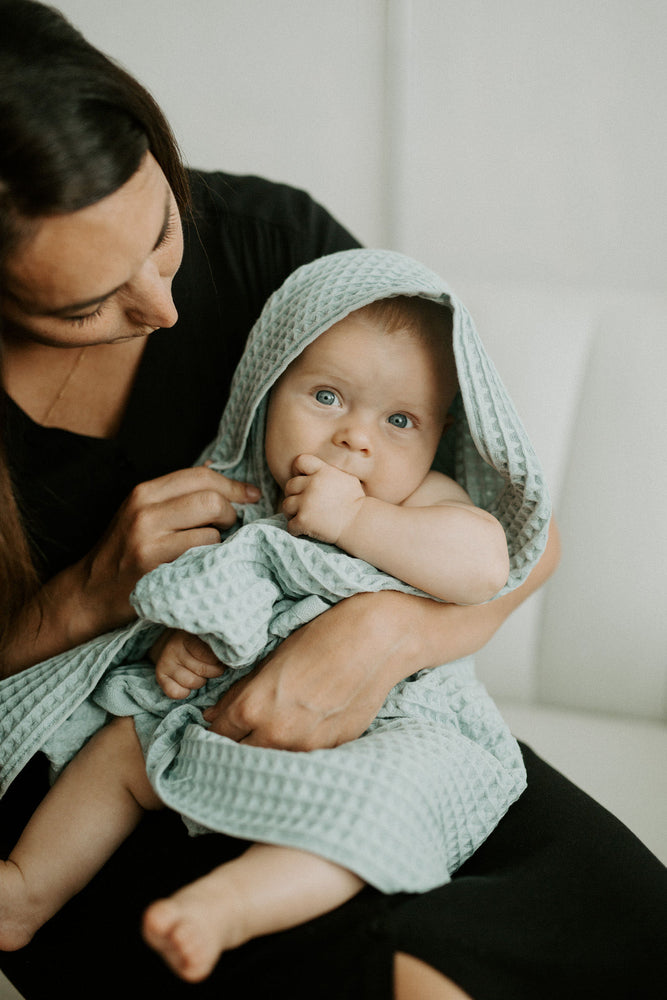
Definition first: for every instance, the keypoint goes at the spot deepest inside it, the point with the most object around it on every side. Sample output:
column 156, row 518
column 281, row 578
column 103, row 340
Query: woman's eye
column 170, row 231
column 89, row 317
column 326, row 397
column 399, row 420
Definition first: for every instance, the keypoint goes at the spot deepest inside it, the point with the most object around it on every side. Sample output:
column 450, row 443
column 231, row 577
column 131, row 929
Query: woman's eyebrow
column 99, row 299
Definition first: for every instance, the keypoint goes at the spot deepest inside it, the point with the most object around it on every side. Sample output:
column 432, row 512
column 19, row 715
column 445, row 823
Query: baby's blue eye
column 326, row 397
column 399, row 420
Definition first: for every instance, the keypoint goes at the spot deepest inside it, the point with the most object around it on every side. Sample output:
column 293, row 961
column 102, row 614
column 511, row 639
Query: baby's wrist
column 352, row 529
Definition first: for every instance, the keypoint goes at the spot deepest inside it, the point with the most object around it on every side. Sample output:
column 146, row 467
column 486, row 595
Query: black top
column 246, row 235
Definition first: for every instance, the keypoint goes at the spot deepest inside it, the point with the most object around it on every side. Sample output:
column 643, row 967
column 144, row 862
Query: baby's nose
column 354, row 436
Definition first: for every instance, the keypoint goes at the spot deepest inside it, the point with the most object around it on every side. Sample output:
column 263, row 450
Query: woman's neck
column 80, row 390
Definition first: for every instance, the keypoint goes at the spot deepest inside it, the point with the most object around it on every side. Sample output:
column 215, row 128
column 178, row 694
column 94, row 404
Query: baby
column 353, row 425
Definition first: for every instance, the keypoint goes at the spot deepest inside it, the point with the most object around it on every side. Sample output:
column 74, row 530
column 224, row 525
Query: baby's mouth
column 340, row 465
column 348, row 472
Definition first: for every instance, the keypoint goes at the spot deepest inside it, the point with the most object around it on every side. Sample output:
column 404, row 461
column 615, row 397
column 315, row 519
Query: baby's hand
column 183, row 663
column 320, row 501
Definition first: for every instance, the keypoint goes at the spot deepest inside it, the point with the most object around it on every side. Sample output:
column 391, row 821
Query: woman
column 102, row 245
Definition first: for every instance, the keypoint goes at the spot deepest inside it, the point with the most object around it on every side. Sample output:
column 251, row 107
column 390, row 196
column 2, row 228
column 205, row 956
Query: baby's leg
column 93, row 806
column 265, row 890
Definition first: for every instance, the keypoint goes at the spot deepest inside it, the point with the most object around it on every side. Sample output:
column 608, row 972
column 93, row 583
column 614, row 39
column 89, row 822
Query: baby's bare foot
column 265, row 890
column 18, row 919
column 191, row 929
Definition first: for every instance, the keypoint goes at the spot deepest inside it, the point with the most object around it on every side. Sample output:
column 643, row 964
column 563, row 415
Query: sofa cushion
column 619, row 762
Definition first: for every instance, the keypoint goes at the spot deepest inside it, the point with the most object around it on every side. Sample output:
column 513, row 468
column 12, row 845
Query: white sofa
column 580, row 671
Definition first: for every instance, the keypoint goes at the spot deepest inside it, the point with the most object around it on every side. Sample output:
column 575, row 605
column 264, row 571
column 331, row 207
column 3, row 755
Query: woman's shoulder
column 248, row 203
column 244, row 194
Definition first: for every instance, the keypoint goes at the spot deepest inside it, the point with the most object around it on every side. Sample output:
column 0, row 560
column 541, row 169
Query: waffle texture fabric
column 408, row 802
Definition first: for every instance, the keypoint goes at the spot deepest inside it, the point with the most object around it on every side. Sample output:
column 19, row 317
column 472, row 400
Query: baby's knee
column 121, row 730
column 126, row 753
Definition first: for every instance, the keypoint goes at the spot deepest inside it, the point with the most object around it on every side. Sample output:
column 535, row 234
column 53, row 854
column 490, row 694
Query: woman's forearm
column 327, row 681
column 58, row 618
column 429, row 633
column 160, row 520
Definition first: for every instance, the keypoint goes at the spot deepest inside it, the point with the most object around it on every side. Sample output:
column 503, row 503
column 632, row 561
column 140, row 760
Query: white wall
column 536, row 139
column 289, row 89
column 526, row 139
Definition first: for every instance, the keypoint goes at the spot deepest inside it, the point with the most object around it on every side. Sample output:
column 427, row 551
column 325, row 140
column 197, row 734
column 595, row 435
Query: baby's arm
column 183, row 663
column 436, row 540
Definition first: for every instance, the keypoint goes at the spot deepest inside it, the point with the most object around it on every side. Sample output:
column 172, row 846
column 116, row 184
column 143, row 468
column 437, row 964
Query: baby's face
column 370, row 403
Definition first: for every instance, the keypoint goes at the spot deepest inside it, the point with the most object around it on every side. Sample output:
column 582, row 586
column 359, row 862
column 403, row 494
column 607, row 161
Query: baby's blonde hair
column 425, row 319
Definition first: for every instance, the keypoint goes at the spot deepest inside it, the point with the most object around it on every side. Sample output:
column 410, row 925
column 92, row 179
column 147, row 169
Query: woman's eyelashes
column 167, row 235
column 170, row 230
column 88, row 317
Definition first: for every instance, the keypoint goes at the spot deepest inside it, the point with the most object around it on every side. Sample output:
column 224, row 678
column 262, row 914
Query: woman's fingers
column 159, row 521
column 222, row 722
column 189, row 498
column 325, row 683
column 199, row 477
column 145, row 556
column 163, row 518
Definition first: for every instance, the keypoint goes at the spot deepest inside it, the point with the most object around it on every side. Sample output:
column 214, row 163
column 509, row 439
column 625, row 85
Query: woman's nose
column 151, row 303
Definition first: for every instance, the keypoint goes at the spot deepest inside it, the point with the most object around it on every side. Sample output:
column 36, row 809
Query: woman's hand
column 159, row 521
column 326, row 682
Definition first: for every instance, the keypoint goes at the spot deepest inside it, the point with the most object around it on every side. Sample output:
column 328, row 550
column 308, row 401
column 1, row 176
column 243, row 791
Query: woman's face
column 101, row 274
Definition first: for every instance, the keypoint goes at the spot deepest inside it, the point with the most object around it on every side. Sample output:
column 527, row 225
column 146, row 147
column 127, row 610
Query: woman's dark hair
column 74, row 127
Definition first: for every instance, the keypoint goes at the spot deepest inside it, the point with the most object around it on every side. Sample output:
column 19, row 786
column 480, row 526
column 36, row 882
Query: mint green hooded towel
column 410, row 800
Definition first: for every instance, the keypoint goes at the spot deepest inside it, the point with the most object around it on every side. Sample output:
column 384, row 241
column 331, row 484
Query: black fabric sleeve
column 245, row 237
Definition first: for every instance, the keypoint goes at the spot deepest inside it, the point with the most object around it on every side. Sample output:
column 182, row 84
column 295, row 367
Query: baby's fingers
column 172, row 688
column 178, row 680
column 289, row 506
column 306, row 465
column 201, row 653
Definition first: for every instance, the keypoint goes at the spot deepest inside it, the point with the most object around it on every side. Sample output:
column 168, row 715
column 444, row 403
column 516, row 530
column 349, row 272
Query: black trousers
column 561, row 902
